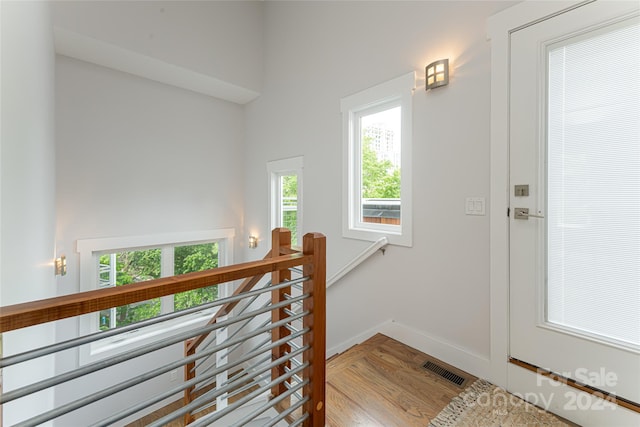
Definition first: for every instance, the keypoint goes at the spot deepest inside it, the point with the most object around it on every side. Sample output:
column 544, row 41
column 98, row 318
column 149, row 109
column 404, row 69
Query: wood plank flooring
column 381, row 382
column 378, row 383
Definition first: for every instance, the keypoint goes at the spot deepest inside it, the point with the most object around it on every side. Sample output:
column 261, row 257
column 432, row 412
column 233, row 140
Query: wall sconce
column 61, row 266
column 437, row 74
column 253, row 242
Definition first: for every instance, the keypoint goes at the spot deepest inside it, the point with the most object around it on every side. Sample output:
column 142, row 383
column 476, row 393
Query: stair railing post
column 315, row 244
column 189, row 374
column 280, row 239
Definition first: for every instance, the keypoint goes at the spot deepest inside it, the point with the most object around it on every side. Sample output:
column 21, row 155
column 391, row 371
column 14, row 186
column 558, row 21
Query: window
column 286, row 196
column 120, row 261
column 593, row 188
column 377, row 150
column 132, row 266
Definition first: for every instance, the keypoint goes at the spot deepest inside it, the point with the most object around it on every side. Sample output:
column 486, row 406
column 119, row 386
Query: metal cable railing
column 253, row 356
column 96, row 366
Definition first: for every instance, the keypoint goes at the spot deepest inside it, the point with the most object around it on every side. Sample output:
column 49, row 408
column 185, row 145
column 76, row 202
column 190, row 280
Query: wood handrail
column 47, row 310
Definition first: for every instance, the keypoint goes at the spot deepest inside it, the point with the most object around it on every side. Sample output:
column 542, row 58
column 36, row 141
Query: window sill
column 119, row 344
column 371, row 235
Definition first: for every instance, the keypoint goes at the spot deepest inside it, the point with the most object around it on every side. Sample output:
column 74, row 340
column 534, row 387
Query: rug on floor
column 484, row 404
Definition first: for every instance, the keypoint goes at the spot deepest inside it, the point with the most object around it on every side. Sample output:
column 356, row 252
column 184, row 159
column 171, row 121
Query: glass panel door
column 593, row 187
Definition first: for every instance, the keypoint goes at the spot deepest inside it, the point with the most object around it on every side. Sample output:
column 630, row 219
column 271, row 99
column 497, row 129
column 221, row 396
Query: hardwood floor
column 381, row 382
column 378, row 383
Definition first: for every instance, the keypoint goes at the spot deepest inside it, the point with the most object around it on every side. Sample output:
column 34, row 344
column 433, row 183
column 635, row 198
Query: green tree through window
column 141, row 265
column 131, row 267
column 289, row 208
column 188, row 259
column 380, row 179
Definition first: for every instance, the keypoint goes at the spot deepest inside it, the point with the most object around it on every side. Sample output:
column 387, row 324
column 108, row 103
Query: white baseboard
column 447, row 352
column 363, row 336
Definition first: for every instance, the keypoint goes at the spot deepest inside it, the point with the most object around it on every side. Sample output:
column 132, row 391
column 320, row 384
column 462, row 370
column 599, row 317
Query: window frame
column 395, row 92
column 277, row 169
column 90, row 251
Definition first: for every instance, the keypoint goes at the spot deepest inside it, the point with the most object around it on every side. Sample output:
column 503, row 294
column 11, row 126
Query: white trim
column 456, row 356
column 585, row 409
column 108, row 55
column 399, row 90
column 89, row 250
column 276, row 169
column 151, row 240
column 516, row 379
column 355, row 340
column 499, row 28
column 438, row 347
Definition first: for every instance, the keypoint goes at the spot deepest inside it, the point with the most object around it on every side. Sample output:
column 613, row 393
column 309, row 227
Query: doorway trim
column 502, row 373
column 499, row 29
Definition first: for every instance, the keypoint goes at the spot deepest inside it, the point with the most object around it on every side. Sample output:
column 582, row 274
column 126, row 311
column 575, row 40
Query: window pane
column 594, row 185
column 130, row 267
column 188, row 259
column 380, row 166
column 289, row 205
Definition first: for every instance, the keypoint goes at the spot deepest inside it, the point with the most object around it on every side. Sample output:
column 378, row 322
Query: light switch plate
column 474, row 206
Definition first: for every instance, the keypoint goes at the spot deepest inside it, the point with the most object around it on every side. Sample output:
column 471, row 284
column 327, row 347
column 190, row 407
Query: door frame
column 499, row 29
column 503, row 373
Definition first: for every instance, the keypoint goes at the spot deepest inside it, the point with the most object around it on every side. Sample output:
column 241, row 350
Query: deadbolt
column 522, row 190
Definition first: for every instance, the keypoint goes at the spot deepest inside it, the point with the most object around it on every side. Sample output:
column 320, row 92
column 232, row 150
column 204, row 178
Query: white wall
column 319, row 52
column 27, row 186
column 222, row 39
column 136, row 157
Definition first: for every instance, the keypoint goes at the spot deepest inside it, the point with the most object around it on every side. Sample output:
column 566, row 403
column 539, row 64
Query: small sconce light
column 437, row 74
column 61, row 266
column 253, row 242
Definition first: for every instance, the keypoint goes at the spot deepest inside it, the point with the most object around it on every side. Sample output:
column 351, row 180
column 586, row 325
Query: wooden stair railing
column 191, row 346
column 32, row 313
column 281, row 245
column 278, row 262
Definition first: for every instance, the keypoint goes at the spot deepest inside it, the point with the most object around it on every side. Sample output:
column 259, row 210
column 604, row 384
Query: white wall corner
column 357, row 339
column 460, row 358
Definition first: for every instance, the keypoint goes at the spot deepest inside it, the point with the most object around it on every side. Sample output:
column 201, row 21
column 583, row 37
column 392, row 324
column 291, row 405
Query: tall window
column 377, row 140
column 380, row 172
column 593, row 162
column 288, row 204
column 286, row 196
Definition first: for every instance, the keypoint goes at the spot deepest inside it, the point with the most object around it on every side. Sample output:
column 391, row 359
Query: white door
column 575, row 141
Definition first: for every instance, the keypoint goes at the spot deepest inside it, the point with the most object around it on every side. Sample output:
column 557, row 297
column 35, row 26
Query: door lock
column 523, row 213
column 521, row 190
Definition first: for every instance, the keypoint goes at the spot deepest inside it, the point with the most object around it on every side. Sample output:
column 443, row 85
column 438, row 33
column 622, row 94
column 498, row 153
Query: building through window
column 377, row 140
